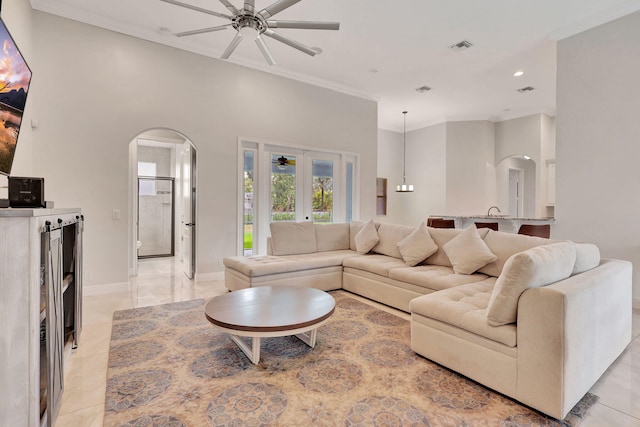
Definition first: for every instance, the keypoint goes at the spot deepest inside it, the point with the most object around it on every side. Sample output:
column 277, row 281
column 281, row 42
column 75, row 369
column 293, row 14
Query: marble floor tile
column 91, row 416
column 161, row 280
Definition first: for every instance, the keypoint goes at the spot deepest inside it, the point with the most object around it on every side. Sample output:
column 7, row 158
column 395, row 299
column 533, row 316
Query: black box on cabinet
column 26, row 192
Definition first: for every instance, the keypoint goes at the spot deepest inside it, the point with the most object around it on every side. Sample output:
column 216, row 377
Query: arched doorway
column 162, row 176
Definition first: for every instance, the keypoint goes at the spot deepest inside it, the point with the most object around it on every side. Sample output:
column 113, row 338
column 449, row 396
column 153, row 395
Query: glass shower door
column 155, row 217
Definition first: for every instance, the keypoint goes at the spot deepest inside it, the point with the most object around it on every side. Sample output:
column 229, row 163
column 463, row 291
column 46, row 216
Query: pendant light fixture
column 404, row 187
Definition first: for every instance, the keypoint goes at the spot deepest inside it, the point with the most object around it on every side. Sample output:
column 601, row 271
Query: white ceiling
column 405, row 41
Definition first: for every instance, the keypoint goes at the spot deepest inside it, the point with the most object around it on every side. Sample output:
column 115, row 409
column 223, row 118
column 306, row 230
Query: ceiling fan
column 253, row 25
column 282, row 162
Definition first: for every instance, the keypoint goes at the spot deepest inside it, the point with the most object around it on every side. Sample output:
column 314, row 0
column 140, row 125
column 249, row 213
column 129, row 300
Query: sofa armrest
column 570, row 332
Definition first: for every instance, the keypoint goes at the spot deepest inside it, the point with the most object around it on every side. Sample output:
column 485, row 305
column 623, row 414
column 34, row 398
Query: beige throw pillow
column 468, row 252
column 533, row 268
column 366, row 238
column 417, row 246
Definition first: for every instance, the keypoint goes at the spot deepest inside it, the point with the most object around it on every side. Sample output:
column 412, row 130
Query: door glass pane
column 322, row 191
column 248, row 209
column 155, row 218
column 283, row 188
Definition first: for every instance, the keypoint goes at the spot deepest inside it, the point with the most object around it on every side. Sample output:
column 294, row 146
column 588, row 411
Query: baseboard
column 208, row 277
column 110, row 288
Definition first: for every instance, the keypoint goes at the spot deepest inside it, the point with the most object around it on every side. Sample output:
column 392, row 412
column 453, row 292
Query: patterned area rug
column 168, row 366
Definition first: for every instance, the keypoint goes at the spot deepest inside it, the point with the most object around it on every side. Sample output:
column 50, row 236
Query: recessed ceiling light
column 423, row 89
column 518, row 73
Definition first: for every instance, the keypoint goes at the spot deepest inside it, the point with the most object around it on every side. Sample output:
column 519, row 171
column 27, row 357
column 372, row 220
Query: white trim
column 209, row 277
column 110, row 288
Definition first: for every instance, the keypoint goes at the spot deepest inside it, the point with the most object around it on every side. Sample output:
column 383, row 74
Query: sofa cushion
column 442, row 236
column 533, row 268
column 417, row 246
column 377, row 264
column 587, row 257
column 465, row 307
column 291, row 238
column 332, row 237
column 390, row 235
column 435, row 277
column 467, row 251
column 504, row 245
column 256, row 266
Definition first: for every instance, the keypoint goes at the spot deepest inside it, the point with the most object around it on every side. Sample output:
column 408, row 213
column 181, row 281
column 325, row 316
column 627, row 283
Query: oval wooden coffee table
column 270, row 311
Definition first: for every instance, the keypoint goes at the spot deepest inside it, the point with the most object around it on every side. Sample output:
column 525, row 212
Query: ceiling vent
column 464, row 44
column 526, row 89
column 423, row 89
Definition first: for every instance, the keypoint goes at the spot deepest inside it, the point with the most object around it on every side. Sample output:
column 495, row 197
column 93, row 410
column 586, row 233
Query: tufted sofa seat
column 536, row 319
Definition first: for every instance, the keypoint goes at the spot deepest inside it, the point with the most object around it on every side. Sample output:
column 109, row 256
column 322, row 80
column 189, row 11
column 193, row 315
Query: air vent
column 423, row 89
column 464, row 44
column 526, row 89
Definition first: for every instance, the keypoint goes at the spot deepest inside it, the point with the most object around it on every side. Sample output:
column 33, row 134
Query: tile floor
column 161, row 281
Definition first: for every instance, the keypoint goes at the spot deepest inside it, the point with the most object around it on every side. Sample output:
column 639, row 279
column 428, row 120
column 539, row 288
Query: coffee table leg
column 253, row 352
column 309, row 338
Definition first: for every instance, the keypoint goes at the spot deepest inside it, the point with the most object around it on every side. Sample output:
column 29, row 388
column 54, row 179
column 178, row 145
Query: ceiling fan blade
column 276, row 7
column 229, row 6
column 265, row 50
column 198, row 9
column 232, row 46
column 294, row 44
column 250, row 6
column 305, row 25
column 202, row 31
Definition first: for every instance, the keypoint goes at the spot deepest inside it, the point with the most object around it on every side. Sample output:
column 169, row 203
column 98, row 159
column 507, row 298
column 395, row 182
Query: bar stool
column 441, row 223
column 542, row 230
column 491, row 225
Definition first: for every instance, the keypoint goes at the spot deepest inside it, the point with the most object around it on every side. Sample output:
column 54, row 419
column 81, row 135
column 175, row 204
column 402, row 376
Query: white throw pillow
column 366, row 238
column 468, row 252
column 533, row 268
column 417, row 246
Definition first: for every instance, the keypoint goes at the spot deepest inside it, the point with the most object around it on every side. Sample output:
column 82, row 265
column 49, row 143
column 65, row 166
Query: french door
column 283, row 183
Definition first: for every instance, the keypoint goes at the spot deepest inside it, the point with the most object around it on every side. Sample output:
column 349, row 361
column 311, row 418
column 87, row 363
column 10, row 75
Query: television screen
column 15, row 77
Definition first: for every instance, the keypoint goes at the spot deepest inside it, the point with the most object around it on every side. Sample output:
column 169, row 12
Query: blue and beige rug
column 168, row 366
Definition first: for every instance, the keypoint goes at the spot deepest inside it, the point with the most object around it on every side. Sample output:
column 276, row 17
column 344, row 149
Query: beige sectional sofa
column 536, row 319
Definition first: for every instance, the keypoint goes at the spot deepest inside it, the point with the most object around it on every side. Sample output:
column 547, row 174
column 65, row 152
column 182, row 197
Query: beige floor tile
column 91, row 416
column 604, row 416
column 619, row 388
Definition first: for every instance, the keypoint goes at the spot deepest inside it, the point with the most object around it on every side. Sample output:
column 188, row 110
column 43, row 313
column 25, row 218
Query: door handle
column 190, row 224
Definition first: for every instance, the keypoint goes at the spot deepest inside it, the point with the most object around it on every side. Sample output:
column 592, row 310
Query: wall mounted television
column 15, row 77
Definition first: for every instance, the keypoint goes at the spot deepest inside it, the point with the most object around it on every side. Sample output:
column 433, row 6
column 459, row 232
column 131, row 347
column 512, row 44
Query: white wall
column 390, row 167
column 598, row 140
column 426, row 170
column 471, row 178
column 96, row 90
column 18, row 17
